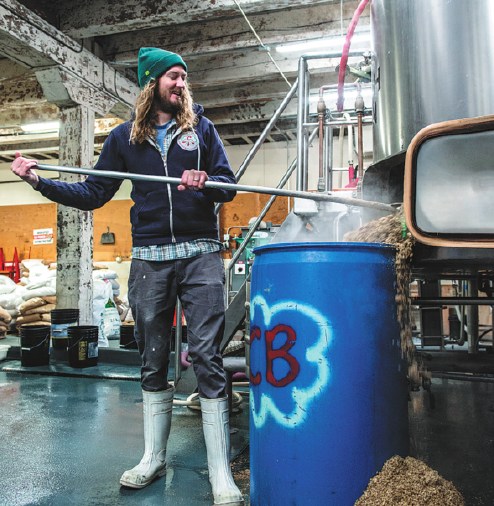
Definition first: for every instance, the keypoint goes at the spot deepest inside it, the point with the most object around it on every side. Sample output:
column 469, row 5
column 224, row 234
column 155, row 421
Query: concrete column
column 74, row 227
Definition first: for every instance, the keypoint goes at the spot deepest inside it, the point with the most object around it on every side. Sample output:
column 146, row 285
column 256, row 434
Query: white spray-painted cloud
column 315, row 354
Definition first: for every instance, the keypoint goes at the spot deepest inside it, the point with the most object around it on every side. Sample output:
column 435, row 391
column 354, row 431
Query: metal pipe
column 359, row 108
column 457, row 361
column 350, row 149
column 325, row 181
column 472, row 319
column 328, row 158
column 224, row 186
column 303, row 113
column 321, row 112
column 341, row 141
column 462, row 339
column 462, row 316
column 451, row 301
column 336, row 226
column 461, row 376
column 339, row 123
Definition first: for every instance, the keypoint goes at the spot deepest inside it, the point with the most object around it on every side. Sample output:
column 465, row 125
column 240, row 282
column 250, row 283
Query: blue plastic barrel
column 328, row 395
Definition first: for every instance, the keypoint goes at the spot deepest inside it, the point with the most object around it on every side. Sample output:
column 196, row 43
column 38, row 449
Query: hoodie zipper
column 168, row 186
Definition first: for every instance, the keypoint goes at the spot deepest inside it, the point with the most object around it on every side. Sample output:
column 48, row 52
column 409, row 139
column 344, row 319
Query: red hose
column 346, row 50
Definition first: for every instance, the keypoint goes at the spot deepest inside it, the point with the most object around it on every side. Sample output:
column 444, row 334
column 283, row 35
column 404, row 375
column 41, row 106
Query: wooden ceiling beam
column 260, row 91
column 98, row 17
column 31, row 42
column 229, row 34
column 246, row 113
column 20, row 91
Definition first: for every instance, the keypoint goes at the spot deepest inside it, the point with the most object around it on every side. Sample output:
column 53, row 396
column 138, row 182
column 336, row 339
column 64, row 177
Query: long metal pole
column 224, row 186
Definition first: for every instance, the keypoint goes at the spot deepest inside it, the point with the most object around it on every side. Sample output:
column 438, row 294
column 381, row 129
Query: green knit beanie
column 152, row 62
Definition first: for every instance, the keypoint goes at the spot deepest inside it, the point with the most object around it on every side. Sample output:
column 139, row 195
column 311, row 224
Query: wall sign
column 43, row 236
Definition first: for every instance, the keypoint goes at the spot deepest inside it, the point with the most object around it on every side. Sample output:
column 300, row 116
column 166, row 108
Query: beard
column 164, row 104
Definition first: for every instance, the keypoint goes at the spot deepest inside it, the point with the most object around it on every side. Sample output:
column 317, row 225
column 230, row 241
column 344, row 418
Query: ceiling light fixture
column 45, row 127
column 327, row 44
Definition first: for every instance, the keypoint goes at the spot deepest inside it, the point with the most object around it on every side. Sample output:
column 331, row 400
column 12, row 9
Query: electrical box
column 243, row 264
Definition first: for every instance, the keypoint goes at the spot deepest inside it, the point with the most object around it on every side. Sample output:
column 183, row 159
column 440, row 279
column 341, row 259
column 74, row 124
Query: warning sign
column 43, row 236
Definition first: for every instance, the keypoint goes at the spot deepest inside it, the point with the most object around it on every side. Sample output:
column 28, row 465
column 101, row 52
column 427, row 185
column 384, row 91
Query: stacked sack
column 109, row 310
column 102, row 273
column 39, row 297
column 36, row 310
column 10, row 297
column 5, row 320
column 31, row 301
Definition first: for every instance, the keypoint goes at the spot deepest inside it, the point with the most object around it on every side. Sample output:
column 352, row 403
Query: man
column 176, row 252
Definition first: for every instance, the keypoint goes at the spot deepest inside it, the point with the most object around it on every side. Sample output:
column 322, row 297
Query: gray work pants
column 153, row 291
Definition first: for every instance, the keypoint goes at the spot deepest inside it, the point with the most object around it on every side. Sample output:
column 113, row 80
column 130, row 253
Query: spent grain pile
column 407, row 481
column 403, row 481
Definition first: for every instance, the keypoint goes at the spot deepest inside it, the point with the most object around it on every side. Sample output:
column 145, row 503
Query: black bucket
column 61, row 320
column 127, row 338
column 35, row 345
column 83, row 345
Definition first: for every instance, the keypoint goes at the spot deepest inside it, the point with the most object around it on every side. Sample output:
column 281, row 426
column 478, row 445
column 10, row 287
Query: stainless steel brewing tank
column 433, row 61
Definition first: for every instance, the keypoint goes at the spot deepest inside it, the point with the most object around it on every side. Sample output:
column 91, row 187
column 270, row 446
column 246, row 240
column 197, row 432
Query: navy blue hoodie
column 161, row 214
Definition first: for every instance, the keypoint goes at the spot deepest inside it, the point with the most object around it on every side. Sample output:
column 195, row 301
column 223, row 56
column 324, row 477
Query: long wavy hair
column 145, row 114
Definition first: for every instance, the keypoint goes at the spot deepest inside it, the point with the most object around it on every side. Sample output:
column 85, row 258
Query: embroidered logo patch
column 188, row 141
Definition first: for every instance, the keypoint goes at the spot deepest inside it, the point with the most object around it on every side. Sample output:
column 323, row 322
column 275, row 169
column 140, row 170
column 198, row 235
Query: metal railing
column 304, row 138
column 254, row 226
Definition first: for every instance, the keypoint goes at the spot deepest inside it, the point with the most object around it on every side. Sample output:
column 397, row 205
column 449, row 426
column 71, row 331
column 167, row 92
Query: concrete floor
column 65, row 440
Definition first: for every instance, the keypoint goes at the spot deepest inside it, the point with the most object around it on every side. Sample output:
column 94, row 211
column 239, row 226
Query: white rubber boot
column 157, row 409
column 216, row 427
